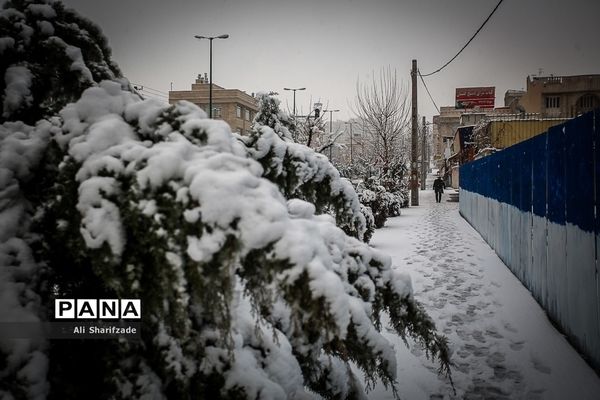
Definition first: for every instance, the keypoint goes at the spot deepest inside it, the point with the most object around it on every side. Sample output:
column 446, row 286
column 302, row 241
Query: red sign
column 482, row 97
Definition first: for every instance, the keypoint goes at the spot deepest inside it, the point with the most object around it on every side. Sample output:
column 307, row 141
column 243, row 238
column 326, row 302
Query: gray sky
column 326, row 46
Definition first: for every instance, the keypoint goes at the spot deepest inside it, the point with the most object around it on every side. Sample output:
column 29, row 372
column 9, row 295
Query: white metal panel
column 581, row 286
column 539, row 275
column 557, row 273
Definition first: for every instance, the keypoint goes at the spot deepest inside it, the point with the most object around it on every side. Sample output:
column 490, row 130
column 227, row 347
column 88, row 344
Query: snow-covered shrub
column 395, row 203
column 370, row 222
column 246, row 292
column 48, row 56
column 300, row 172
column 382, row 203
column 396, row 180
column 159, row 203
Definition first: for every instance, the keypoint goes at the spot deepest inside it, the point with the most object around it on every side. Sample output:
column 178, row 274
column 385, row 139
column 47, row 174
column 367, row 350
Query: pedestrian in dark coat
column 438, row 187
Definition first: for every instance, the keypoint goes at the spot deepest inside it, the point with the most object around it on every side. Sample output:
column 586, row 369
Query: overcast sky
column 326, row 46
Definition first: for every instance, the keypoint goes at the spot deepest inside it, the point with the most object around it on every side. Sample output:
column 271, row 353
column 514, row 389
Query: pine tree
column 248, row 291
column 299, row 171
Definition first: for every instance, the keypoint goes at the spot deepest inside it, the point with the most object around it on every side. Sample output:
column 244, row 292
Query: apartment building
column 233, row 106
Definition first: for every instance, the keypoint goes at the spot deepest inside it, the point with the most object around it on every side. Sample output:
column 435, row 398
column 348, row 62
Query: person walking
column 438, row 187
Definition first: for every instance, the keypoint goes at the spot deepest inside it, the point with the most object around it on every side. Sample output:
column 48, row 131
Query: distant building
column 233, row 106
column 556, row 96
column 444, row 127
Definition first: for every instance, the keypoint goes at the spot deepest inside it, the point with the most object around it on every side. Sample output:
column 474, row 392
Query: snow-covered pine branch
column 247, row 292
column 299, row 171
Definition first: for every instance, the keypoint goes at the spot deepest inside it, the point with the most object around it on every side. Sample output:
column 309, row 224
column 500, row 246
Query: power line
column 154, row 94
column 154, row 91
column 427, row 89
column 148, row 95
column 144, row 90
column 144, row 87
column 470, row 40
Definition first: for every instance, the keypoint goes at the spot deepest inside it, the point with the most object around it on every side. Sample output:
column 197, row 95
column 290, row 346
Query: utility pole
column 423, row 153
column 414, row 174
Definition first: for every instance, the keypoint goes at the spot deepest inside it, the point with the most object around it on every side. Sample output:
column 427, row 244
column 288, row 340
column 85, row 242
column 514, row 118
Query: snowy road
column 503, row 346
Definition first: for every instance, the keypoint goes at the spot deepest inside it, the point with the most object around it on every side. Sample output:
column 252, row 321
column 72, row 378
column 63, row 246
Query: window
column 247, row 115
column 587, row 101
column 216, row 112
column 553, row 102
column 238, row 111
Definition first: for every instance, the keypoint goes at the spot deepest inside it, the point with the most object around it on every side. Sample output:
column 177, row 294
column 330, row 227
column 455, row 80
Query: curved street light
column 210, row 39
column 294, row 97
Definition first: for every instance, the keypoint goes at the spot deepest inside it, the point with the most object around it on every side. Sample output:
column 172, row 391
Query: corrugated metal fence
column 535, row 203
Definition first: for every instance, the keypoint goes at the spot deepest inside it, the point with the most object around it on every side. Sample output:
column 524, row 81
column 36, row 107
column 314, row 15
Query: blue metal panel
column 556, row 175
column 538, row 163
column 525, row 200
column 596, row 138
column 579, row 151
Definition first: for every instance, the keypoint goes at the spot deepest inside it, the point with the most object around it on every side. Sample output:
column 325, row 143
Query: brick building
column 233, row 106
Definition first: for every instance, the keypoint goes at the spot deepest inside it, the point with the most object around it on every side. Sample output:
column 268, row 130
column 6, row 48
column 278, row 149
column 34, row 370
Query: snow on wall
column 534, row 205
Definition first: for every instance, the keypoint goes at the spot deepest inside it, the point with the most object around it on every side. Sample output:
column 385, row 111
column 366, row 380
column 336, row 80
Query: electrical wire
column 143, row 87
column 148, row 95
column 465, row 46
column 155, row 91
column 154, row 94
column 427, row 89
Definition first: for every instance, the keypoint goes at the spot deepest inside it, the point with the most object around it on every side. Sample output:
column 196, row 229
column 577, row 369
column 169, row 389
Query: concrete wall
column 534, row 204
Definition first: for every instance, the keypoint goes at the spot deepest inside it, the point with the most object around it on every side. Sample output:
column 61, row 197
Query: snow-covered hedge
column 299, row 171
column 48, row 56
column 159, row 203
column 382, row 203
column 247, row 291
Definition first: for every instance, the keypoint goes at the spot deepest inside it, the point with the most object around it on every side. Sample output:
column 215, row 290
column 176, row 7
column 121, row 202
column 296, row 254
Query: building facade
column 233, row 106
column 557, row 96
column 444, row 127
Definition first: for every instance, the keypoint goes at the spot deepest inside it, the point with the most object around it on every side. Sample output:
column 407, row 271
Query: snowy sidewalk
column 503, row 346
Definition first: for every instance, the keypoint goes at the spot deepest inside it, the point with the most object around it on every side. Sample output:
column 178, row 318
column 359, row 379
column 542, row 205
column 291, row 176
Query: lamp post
column 210, row 39
column 350, row 123
column 294, row 89
column 330, row 128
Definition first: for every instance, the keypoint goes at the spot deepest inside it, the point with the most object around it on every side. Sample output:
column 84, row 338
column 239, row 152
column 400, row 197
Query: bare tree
column 383, row 108
column 311, row 131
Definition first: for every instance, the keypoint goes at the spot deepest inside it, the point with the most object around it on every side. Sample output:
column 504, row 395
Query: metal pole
column 414, row 188
column 423, row 163
column 330, row 117
column 351, row 159
column 294, row 103
column 210, row 107
column 330, row 129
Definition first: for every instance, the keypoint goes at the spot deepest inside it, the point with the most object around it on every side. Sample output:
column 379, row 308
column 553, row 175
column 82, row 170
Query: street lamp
column 210, row 39
column 350, row 123
column 294, row 97
column 330, row 128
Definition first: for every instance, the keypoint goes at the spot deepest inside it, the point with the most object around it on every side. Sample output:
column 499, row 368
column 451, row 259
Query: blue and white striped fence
column 535, row 204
